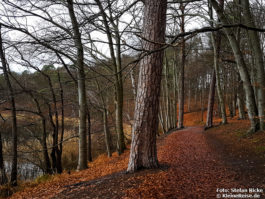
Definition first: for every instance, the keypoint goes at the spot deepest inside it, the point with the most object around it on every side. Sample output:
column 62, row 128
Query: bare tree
column 82, row 160
column 258, row 61
column 11, row 96
column 3, row 177
column 242, row 68
column 216, row 43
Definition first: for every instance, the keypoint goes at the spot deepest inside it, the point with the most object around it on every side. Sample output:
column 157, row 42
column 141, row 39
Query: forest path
column 192, row 166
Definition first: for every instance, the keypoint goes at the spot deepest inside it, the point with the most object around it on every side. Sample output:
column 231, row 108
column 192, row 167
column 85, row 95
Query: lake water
column 26, row 171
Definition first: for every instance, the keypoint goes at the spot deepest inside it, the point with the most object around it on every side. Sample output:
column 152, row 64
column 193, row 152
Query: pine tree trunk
column 143, row 148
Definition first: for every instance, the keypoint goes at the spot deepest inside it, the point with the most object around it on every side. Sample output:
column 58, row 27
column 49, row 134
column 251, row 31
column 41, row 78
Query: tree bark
column 3, row 177
column 11, row 96
column 116, row 60
column 181, row 73
column 167, row 94
column 143, row 148
column 60, row 150
column 133, row 84
column 175, row 119
column 241, row 100
column 242, row 68
column 209, row 120
column 259, row 63
column 89, row 141
column 202, row 98
column 189, row 97
column 107, row 133
column 216, row 42
column 55, row 154
column 104, row 112
column 47, row 162
column 81, row 82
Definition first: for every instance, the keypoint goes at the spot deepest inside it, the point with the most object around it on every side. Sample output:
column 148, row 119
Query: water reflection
column 26, row 171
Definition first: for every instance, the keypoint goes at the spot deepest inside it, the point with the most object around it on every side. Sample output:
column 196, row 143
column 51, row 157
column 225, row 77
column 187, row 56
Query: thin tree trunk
column 175, row 119
column 167, row 94
column 189, row 97
column 116, row 59
column 89, row 141
column 165, row 107
column 143, row 148
column 54, row 142
column 216, row 42
column 47, row 164
column 44, row 147
column 209, row 120
column 11, row 96
column 57, row 165
column 133, row 84
column 196, row 97
column 3, row 177
column 82, row 159
column 182, row 66
column 119, row 83
column 160, row 117
column 162, row 109
column 119, row 117
column 202, row 99
column 240, row 100
column 106, row 132
column 234, row 95
column 60, row 150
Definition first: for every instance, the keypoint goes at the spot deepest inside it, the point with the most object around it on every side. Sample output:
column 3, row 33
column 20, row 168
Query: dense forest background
column 70, row 70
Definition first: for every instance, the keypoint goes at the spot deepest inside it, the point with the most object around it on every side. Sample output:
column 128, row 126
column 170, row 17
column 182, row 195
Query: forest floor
column 194, row 164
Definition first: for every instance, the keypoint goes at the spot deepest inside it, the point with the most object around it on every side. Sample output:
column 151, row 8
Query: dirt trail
column 191, row 167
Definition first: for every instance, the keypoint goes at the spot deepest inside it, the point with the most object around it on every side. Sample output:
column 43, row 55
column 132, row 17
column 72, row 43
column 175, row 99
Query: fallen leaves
column 190, row 168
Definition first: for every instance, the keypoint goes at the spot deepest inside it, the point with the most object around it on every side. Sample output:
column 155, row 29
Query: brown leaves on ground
column 100, row 167
column 193, row 165
column 195, row 171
